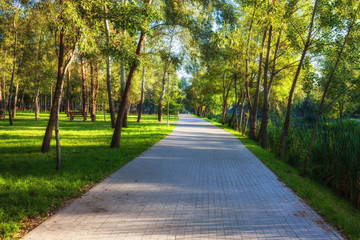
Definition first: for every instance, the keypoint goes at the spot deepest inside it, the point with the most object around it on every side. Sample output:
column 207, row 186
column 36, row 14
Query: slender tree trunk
column 236, row 104
column 45, row 103
column 123, row 85
column 262, row 138
column 15, row 100
column 246, row 120
column 93, row 93
column 108, row 77
column 247, row 59
column 37, row 107
column 83, row 80
column 115, row 142
column 292, row 90
column 255, row 107
column 162, row 97
column 321, row 110
column 62, row 68
column 241, row 115
column 10, row 106
column 142, row 95
column 68, row 91
column 266, row 69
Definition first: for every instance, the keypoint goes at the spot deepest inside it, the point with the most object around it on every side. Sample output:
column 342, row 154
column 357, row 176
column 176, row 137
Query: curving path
column 199, row 182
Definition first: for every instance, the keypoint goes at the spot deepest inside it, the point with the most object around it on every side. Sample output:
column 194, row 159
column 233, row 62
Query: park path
column 199, row 182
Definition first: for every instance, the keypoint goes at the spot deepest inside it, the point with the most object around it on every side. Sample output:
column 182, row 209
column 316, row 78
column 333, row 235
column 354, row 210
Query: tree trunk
column 142, row 95
column 255, row 107
column 37, row 107
column 241, row 115
column 162, row 97
column 62, row 68
column 93, row 92
column 13, row 72
column 292, row 90
column 115, row 142
column 123, row 85
column 265, row 86
column 262, row 138
column 83, row 81
column 68, row 91
column 108, row 77
column 245, row 124
column 15, row 100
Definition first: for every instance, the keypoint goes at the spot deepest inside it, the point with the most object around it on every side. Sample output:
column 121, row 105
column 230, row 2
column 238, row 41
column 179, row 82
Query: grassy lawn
column 30, row 187
column 339, row 212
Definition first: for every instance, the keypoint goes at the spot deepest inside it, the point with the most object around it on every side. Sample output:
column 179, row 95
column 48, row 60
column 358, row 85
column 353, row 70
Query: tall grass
column 334, row 158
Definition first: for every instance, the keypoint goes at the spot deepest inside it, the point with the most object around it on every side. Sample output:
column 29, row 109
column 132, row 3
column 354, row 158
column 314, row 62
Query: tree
column 291, row 94
column 115, row 142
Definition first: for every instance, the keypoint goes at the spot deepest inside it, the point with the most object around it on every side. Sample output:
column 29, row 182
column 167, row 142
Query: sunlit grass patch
column 29, row 184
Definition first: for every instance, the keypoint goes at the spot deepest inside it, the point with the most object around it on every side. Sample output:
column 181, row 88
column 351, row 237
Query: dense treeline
column 86, row 56
column 287, row 74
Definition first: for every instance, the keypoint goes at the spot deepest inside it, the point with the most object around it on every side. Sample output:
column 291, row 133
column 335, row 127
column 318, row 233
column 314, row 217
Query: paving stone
column 199, row 182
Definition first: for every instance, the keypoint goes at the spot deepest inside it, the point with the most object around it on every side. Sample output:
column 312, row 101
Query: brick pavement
column 199, row 182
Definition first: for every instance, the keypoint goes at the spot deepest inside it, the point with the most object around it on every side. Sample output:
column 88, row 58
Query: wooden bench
column 72, row 115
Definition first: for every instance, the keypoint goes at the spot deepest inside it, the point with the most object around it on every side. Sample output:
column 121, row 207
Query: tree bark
column 255, row 107
column 68, row 90
column 142, row 95
column 108, row 77
column 62, row 68
column 94, row 89
column 115, row 142
column 37, row 107
column 13, row 71
column 15, row 100
column 241, row 115
column 84, row 89
column 292, row 90
column 162, row 97
column 262, row 138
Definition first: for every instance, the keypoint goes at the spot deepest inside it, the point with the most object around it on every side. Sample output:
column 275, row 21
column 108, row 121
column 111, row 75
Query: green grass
column 339, row 212
column 30, row 187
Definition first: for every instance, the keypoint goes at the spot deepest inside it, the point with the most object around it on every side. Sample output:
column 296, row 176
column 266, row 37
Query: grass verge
column 339, row 212
column 31, row 188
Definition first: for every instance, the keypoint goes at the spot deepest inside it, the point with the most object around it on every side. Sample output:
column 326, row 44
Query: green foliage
column 29, row 184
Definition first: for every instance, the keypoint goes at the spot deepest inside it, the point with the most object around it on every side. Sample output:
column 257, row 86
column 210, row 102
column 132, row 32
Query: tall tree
column 115, row 142
column 292, row 90
column 65, row 56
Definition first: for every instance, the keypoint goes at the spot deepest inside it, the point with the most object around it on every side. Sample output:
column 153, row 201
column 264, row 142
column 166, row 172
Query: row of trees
column 82, row 55
column 265, row 55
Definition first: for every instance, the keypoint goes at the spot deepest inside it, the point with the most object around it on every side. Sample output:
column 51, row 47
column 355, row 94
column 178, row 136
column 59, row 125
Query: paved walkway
column 199, row 182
